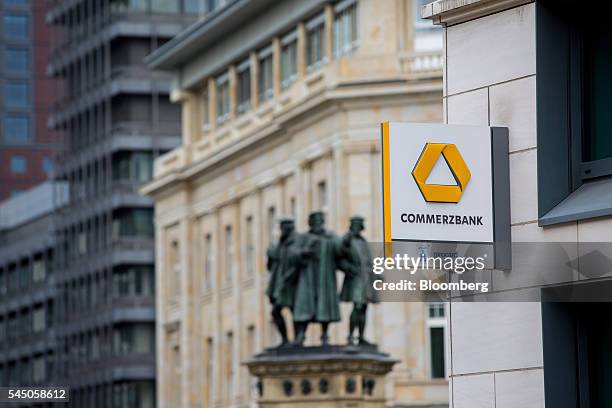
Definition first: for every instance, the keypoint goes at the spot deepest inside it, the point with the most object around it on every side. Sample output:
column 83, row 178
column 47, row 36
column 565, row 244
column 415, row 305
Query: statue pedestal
column 321, row 377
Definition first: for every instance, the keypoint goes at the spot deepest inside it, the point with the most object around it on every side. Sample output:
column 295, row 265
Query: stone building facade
column 281, row 108
column 539, row 69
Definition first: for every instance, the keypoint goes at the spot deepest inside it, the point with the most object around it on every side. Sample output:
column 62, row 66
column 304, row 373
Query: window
column 192, row 6
column 265, row 77
column 230, row 369
column 121, row 6
column 211, row 5
column 82, row 242
column 322, row 195
column 17, row 129
column 577, row 348
column 39, row 366
column 16, row 94
column 208, row 261
column 574, row 157
column 597, row 138
column 165, row 6
column 315, row 43
column 205, row 110
column 436, row 325
column 288, row 59
column 47, row 166
column 244, row 87
column 250, row 247
column 25, row 275
column 19, row 164
column 18, row 3
column 175, row 269
column 229, row 254
column 133, row 338
column 223, row 101
column 3, row 287
column 12, row 280
column 176, row 363
column 95, row 346
column 16, row 60
column 142, row 166
column 345, row 28
column 133, row 281
column 39, row 322
column 133, row 166
column 210, row 369
column 2, row 335
column 250, row 349
column 133, row 223
column 16, row 26
column 271, row 224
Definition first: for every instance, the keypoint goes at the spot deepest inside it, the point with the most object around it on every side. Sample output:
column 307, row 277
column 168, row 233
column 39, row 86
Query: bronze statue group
column 303, row 269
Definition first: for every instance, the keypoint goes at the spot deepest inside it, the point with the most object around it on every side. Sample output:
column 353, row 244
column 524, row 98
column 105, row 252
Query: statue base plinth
column 320, row 377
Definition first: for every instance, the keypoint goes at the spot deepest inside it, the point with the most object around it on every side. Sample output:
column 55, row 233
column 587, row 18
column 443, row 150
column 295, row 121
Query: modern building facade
column 28, row 352
column 116, row 117
column 541, row 70
column 281, row 105
column 27, row 146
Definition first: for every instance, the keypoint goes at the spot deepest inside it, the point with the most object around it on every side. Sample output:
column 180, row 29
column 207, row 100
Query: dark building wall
column 27, row 292
column 117, row 118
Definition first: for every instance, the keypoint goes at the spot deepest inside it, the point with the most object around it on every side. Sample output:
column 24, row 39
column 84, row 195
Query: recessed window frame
column 9, row 137
column 436, row 320
column 346, row 24
column 19, row 36
column 315, row 32
column 19, row 164
column 15, row 50
column 568, row 187
column 243, row 86
column 205, row 109
column 16, row 94
column 223, row 98
column 289, row 50
column 265, row 74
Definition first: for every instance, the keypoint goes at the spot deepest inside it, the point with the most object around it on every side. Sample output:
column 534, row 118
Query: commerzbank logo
column 441, row 193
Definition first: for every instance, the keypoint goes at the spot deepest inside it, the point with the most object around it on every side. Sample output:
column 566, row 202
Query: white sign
column 437, row 183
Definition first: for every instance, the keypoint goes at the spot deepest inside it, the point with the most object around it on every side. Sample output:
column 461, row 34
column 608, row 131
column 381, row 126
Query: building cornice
column 209, row 31
column 451, row 12
column 192, row 170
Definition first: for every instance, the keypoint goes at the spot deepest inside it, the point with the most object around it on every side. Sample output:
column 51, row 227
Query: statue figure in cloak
column 316, row 295
column 357, row 287
column 282, row 264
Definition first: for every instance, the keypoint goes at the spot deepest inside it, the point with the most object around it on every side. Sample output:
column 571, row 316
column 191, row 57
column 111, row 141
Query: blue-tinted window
column 15, row 193
column 16, row 94
column 47, row 165
column 192, row 6
column 18, row 164
column 8, row 3
column 16, row 60
column 211, row 5
column 164, row 6
column 16, row 26
column 16, row 129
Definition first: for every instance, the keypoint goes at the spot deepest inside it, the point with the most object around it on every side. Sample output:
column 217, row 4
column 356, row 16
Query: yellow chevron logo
column 440, row 193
